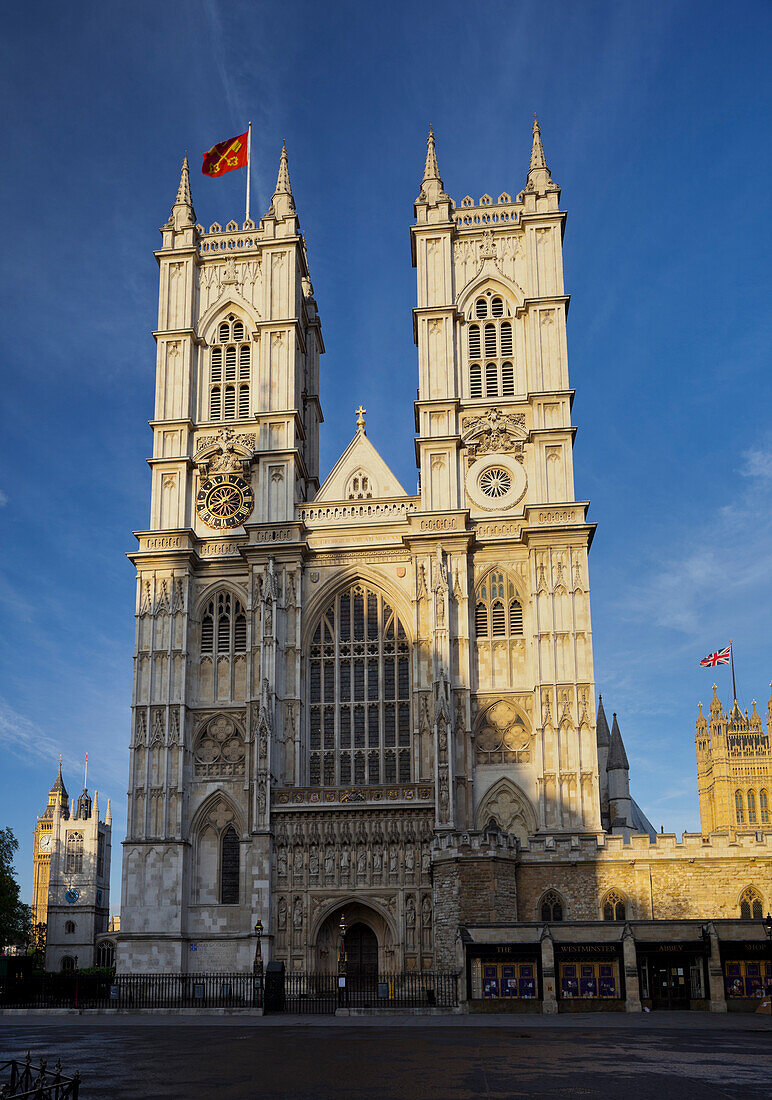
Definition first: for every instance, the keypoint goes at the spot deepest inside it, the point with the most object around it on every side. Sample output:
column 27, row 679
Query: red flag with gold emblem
column 226, row 156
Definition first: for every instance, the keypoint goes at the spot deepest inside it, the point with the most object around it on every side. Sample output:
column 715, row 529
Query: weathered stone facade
column 347, row 696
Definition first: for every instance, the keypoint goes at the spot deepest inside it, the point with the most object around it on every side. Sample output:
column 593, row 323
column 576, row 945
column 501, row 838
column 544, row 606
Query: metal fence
column 324, row 993
column 21, row 1079
column 132, row 991
column 292, row 992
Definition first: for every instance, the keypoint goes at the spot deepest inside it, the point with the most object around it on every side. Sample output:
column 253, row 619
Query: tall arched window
column 223, row 626
column 498, row 612
column 614, row 907
column 105, row 953
column 751, row 807
column 751, row 907
column 73, row 853
column 229, row 867
column 69, row 928
column 551, row 907
column 67, row 963
column 359, row 693
column 230, row 372
column 764, row 807
column 739, row 806
column 490, row 349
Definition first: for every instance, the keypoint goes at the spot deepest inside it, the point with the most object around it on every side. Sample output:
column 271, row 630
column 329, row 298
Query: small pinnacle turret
column 602, row 736
column 617, row 757
column 432, row 188
column 282, row 202
column 539, row 178
column 183, row 215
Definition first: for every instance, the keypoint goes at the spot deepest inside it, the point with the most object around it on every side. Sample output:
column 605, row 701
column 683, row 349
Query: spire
column 282, row 202
column 96, row 804
column 183, row 215
column 602, row 734
column 617, row 757
column 108, row 814
column 432, row 187
column 539, row 178
column 58, row 784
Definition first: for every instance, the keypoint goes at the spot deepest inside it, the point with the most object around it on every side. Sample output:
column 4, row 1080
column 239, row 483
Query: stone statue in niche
column 410, row 912
column 426, row 861
column 297, row 867
column 345, row 861
column 362, row 862
column 377, row 861
column 313, row 861
column 281, row 916
column 426, row 912
column 261, row 797
column 329, row 862
column 393, row 858
column 409, row 859
column 281, row 862
column 297, row 915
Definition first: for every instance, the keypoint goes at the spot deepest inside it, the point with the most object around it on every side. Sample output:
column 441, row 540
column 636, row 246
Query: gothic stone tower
column 79, row 881
column 41, row 857
column 348, row 697
column 734, row 768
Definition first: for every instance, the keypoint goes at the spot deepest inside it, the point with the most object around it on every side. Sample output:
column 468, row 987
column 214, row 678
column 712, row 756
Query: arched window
column 359, row 487
column 764, row 807
column 551, row 908
column 359, row 693
column 492, row 339
column 229, row 867
column 69, row 928
column 67, row 963
column 230, row 372
column 739, row 807
column 105, row 954
column 225, row 623
column 614, row 906
column 498, row 611
column 73, row 857
column 751, row 907
column 751, row 807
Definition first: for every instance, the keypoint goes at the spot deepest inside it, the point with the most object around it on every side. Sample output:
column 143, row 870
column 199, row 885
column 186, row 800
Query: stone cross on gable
column 360, row 418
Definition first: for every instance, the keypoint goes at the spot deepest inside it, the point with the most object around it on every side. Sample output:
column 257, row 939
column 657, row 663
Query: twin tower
column 335, row 684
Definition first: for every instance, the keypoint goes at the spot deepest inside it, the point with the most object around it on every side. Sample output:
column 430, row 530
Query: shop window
column 551, row 907
column 585, row 980
column 751, row 906
column 614, row 907
column 492, row 981
column 751, row 978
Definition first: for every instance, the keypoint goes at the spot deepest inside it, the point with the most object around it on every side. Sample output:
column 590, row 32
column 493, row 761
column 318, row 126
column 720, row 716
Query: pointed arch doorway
column 361, row 953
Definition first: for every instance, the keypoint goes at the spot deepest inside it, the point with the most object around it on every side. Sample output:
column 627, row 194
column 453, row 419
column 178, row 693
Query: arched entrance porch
column 370, row 946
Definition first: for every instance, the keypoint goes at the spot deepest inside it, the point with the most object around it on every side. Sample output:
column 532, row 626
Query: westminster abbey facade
column 349, row 698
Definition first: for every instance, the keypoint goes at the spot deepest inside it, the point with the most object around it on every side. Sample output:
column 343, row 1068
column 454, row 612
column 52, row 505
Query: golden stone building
column 734, row 768
column 348, row 696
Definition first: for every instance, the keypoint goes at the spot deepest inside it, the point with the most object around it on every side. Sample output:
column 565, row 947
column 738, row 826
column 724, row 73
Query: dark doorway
column 361, row 953
column 670, row 984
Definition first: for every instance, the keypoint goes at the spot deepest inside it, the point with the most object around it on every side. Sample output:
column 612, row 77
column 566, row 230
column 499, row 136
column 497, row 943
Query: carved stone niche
column 501, row 735
column 494, row 432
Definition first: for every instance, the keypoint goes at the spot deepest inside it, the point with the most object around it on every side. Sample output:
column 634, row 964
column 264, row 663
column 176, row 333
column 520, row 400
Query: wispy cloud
column 758, row 463
column 3, row 498
column 24, row 738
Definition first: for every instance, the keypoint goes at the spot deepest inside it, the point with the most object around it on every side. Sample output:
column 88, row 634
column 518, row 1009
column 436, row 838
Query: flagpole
column 731, row 654
column 249, row 163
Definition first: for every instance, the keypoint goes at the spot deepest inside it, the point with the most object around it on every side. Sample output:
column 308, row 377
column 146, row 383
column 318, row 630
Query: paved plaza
column 683, row 1056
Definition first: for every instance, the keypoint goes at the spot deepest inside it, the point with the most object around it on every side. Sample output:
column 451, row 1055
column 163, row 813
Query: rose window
column 495, row 482
column 220, row 749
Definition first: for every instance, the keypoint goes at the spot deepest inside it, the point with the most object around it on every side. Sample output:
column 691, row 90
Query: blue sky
column 655, row 120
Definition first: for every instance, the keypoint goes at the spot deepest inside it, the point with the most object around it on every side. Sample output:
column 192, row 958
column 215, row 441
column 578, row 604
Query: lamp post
column 342, row 929
column 257, row 967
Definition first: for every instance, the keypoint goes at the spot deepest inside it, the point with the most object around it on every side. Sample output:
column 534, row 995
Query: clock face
column 225, row 500
column 71, row 895
column 44, row 842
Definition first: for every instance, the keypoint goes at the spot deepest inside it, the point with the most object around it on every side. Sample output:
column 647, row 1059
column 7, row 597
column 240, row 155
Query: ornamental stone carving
column 494, row 432
column 219, row 749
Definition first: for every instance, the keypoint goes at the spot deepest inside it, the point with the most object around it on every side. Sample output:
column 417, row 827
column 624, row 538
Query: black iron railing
column 132, row 991
column 21, row 1079
column 293, row 992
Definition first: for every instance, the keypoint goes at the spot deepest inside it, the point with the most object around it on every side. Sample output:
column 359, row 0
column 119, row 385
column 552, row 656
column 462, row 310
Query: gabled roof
column 359, row 455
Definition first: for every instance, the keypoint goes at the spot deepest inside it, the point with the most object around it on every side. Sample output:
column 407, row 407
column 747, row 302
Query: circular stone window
column 496, row 483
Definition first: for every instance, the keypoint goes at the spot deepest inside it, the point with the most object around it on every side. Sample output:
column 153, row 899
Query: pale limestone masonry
column 349, row 697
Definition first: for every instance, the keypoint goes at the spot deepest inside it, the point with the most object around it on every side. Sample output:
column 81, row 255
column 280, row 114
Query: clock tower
column 57, row 799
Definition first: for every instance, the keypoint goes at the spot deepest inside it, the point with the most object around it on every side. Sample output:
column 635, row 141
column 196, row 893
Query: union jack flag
column 720, row 657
